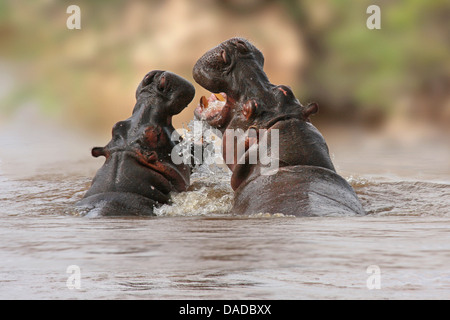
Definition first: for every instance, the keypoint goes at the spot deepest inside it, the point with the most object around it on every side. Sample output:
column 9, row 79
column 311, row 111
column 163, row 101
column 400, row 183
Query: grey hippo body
column 304, row 182
column 138, row 174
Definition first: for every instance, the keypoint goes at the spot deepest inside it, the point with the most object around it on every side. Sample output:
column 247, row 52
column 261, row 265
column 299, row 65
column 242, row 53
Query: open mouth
column 169, row 172
column 215, row 110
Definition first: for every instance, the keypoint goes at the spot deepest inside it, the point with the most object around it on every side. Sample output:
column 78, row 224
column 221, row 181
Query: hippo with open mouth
column 138, row 173
column 305, row 182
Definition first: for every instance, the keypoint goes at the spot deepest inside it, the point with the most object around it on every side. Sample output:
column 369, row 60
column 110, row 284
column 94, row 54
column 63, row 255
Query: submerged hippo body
column 304, row 182
column 138, row 173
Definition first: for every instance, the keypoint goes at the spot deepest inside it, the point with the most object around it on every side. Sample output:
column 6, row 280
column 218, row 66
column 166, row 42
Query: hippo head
column 138, row 172
column 242, row 94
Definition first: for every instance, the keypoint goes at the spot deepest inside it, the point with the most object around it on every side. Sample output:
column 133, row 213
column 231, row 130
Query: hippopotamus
column 138, row 174
column 304, row 181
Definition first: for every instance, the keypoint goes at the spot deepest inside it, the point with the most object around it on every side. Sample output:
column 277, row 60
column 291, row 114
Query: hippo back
column 298, row 191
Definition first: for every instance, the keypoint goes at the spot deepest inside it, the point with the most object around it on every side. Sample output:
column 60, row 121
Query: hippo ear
column 99, row 151
column 311, row 108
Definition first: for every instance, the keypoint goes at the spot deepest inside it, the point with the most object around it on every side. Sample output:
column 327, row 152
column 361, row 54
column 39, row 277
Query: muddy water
column 197, row 249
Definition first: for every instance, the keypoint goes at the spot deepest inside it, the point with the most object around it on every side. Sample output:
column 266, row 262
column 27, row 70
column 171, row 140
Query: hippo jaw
column 216, row 110
column 138, row 158
column 124, row 172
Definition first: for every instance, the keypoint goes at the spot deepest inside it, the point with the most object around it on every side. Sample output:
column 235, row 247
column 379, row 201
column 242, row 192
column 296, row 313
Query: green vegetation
column 353, row 72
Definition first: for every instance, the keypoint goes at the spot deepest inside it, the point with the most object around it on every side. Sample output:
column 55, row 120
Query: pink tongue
column 212, row 98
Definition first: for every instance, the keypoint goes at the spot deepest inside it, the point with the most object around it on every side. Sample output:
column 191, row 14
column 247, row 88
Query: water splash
column 210, row 193
column 402, row 198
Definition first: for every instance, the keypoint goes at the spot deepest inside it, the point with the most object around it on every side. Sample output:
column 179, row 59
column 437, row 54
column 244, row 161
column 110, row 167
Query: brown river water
column 197, row 248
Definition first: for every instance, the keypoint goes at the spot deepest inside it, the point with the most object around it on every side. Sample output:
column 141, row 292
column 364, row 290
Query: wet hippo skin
column 304, row 182
column 138, row 173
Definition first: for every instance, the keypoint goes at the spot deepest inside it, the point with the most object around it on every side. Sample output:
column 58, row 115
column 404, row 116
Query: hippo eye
column 120, row 129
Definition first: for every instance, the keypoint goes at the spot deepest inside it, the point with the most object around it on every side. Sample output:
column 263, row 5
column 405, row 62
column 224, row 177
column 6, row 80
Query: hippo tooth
column 203, row 102
column 220, row 97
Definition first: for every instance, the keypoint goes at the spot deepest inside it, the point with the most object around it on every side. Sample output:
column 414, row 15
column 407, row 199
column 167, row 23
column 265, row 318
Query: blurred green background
column 395, row 77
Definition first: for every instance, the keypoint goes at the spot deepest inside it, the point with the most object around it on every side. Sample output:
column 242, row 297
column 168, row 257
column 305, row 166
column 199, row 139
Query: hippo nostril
column 241, row 46
column 223, row 54
column 162, row 82
column 148, row 78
